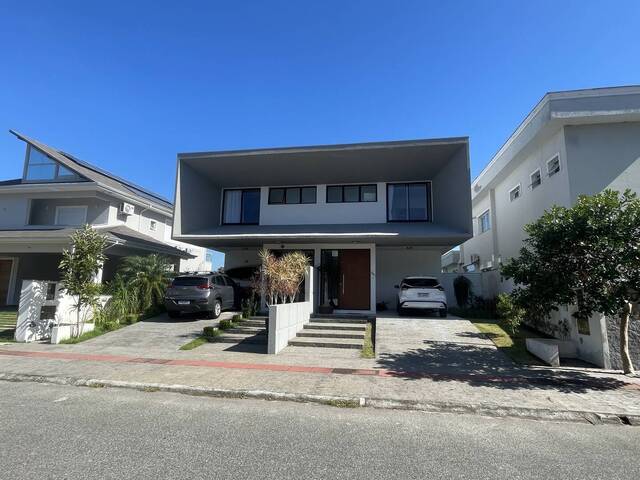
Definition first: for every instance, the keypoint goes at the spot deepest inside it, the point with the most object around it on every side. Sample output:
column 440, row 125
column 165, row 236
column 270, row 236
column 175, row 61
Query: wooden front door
column 355, row 280
column 5, row 277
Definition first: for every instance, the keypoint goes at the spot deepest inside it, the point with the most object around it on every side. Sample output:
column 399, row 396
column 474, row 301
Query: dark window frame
column 429, row 202
column 284, row 195
column 224, row 200
column 360, row 200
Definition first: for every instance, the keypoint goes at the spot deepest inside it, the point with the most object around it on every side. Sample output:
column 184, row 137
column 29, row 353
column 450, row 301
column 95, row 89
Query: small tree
column 462, row 290
column 283, row 276
column 588, row 256
column 79, row 267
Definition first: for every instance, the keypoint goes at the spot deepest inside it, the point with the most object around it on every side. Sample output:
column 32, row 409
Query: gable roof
column 96, row 174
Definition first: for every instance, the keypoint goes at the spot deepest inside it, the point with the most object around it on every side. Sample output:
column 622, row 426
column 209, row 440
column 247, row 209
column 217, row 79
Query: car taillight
column 204, row 286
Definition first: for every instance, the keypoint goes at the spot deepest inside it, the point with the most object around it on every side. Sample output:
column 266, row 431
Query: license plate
column 423, row 294
column 183, row 302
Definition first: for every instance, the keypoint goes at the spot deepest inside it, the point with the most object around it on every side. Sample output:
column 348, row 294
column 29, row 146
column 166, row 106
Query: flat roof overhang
column 353, row 163
column 415, row 234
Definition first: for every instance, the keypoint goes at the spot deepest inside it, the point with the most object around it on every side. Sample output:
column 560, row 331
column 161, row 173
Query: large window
column 409, row 202
column 42, row 168
column 484, row 222
column 292, row 195
column 352, row 193
column 71, row 215
column 241, row 207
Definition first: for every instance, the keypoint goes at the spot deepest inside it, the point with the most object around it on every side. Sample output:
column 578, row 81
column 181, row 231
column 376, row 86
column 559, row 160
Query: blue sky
column 127, row 85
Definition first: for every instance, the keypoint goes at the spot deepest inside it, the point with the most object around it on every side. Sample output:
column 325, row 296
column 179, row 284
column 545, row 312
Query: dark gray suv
column 207, row 293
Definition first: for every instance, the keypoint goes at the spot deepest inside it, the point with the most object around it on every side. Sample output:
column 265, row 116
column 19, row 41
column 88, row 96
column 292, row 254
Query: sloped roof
column 96, row 174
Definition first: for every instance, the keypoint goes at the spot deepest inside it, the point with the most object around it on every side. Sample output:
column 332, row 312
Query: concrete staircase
column 249, row 331
column 332, row 332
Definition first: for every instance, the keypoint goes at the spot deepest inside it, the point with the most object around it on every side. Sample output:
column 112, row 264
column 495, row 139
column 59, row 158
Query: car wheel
column 400, row 310
column 217, row 310
column 173, row 314
column 443, row 313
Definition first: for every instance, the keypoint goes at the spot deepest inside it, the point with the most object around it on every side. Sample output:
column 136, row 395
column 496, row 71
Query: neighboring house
column 366, row 214
column 451, row 262
column 572, row 143
column 58, row 193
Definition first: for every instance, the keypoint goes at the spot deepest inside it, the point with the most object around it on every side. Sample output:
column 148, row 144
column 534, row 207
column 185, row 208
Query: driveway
column 155, row 336
column 436, row 345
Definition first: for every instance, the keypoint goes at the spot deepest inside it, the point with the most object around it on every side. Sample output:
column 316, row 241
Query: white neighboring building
column 571, row 143
column 57, row 194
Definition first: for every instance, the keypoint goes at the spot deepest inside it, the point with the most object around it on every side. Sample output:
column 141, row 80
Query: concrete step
column 354, row 327
column 252, row 323
column 341, row 319
column 331, row 334
column 247, row 330
column 241, row 338
column 324, row 342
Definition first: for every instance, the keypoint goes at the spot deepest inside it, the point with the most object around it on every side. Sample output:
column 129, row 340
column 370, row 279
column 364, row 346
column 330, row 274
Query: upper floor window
column 536, row 179
column 71, row 215
column 514, row 193
column 41, row 167
column 292, row 195
column 241, row 207
column 153, row 225
column 553, row 165
column 484, row 222
column 352, row 193
column 409, row 202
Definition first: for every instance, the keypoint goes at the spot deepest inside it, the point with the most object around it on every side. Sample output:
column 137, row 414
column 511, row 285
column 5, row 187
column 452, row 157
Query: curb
column 593, row 418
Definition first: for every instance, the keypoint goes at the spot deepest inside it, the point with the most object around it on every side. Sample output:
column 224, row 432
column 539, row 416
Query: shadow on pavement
column 480, row 365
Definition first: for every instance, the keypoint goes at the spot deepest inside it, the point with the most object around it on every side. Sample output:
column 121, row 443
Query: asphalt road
column 83, row 433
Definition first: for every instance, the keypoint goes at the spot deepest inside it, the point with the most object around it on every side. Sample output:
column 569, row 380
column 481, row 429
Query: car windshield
column 189, row 281
column 420, row 282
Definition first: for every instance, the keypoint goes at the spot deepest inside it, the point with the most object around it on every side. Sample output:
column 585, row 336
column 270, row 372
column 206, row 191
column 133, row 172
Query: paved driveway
column 436, row 345
column 156, row 336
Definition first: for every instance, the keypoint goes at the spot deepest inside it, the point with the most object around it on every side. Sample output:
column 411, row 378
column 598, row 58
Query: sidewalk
column 534, row 393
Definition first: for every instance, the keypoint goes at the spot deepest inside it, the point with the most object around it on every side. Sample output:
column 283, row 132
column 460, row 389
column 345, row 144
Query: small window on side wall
column 553, row 165
column 536, row 179
column 484, row 222
column 153, row 225
column 514, row 193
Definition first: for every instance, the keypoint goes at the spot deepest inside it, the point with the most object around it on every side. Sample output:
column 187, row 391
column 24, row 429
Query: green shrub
column 237, row 318
column 225, row 324
column 210, row 332
column 249, row 307
column 510, row 313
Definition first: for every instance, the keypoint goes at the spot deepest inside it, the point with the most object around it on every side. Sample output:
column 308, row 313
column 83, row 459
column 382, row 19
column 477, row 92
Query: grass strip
column 367, row 348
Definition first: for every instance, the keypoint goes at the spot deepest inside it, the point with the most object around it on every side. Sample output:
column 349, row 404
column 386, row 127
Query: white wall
column 322, row 212
column 13, row 211
column 241, row 257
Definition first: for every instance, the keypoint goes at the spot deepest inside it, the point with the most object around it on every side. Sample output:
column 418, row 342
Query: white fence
column 46, row 312
column 287, row 319
column 477, row 287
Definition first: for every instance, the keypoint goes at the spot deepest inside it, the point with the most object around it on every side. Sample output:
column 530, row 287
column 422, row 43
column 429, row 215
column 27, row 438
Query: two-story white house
column 367, row 214
column 572, row 143
column 58, row 193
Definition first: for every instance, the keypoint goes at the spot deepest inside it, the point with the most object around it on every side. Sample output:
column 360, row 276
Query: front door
column 5, row 277
column 355, row 279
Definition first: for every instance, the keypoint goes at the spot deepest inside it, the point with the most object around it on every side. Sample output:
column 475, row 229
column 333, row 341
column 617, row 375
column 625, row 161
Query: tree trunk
column 627, row 366
column 78, row 319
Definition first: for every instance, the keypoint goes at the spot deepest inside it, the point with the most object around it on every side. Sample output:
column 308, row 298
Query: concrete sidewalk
column 432, row 364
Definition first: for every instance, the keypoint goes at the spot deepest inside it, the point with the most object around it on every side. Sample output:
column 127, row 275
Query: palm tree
column 149, row 276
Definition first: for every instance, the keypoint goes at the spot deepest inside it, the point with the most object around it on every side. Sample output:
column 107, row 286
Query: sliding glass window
column 409, row 202
column 352, row 193
column 292, row 195
column 241, row 207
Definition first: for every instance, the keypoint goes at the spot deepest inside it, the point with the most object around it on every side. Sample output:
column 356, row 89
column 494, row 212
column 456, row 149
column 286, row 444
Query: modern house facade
column 571, row 143
column 57, row 194
column 365, row 214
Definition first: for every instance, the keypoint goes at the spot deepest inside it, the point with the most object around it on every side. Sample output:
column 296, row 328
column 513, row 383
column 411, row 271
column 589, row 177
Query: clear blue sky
column 127, row 85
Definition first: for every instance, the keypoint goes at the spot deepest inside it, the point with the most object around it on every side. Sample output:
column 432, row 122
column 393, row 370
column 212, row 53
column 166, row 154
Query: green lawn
column 96, row 332
column 8, row 316
column 513, row 346
column 195, row 343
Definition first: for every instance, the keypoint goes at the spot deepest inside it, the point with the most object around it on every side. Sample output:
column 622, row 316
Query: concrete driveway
column 449, row 345
column 155, row 336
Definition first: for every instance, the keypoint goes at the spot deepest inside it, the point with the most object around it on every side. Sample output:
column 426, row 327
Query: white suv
column 424, row 293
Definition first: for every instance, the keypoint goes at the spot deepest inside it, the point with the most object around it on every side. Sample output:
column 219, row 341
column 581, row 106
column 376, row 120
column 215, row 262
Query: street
column 51, row 431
